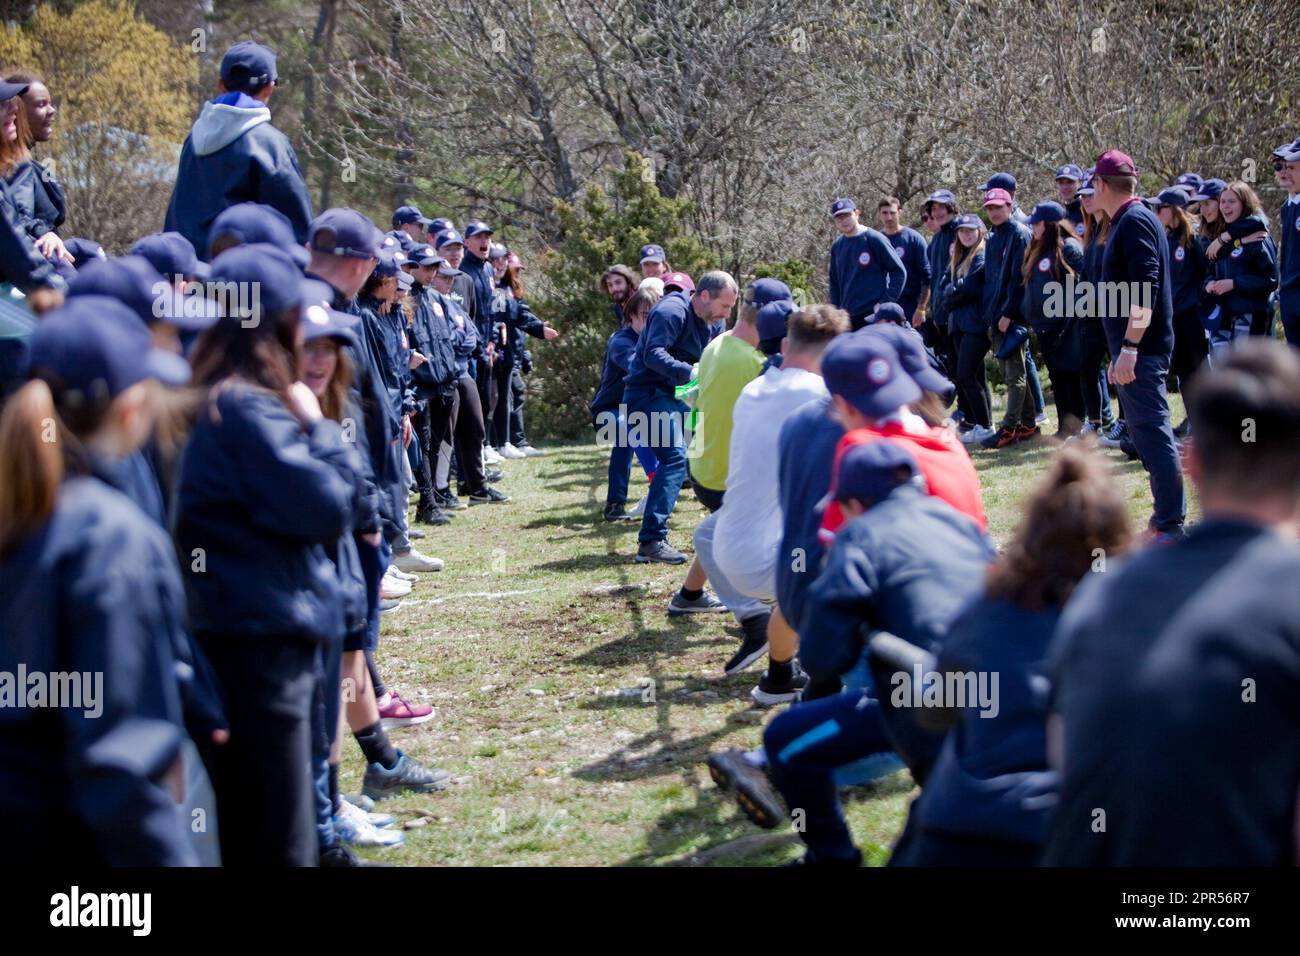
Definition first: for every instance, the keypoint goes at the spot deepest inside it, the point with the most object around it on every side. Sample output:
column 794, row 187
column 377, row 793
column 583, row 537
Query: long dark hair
column 263, row 354
column 1053, row 239
column 1075, row 517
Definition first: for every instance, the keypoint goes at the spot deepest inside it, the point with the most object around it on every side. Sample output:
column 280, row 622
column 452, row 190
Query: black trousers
column 503, row 371
column 517, row 393
column 1067, row 383
column 262, row 776
column 1191, row 346
column 943, row 342
column 468, row 435
column 971, row 381
column 1095, row 357
column 434, row 425
column 488, row 397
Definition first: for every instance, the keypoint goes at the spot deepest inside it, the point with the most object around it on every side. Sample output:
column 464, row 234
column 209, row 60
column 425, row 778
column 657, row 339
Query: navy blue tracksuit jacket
column 912, row 251
column 233, row 154
column 1004, row 253
column 864, row 271
column 671, row 344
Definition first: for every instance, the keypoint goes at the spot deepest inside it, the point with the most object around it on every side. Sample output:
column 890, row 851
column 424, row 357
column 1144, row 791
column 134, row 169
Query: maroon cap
column 679, row 280
column 997, row 197
column 1114, row 163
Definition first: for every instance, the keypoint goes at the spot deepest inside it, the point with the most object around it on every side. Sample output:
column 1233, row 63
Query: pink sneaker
column 398, row 713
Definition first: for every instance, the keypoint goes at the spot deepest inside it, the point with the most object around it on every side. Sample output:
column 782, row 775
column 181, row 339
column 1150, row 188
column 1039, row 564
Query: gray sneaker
column 659, row 552
column 706, row 603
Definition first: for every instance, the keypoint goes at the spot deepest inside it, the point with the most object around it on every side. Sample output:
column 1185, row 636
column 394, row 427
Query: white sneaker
column 391, row 587
column 978, row 434
column 531, row 452
column 353, row 826
column 413, row 560
column 490, row 456
column 510, row 451
column 402, row 575
column 1041, row 418
column 637, row 510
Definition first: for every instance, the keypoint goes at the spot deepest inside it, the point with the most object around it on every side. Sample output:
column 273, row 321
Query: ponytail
column 32, row 466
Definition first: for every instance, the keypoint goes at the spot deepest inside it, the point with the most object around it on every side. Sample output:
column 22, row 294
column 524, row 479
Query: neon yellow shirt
column 727, row 365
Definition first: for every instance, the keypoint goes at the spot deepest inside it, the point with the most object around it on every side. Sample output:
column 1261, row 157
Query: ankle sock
column 374, row 743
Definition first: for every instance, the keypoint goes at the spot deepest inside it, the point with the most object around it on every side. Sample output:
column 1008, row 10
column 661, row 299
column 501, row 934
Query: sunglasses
column 1278, row 165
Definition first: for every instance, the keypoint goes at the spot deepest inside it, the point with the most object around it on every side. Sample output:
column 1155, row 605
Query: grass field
column 573, row 714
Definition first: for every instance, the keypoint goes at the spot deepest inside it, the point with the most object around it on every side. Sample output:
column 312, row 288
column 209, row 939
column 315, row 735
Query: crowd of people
column 211, row 445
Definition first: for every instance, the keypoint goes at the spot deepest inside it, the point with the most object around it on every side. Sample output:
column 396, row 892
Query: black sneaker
column 493, row 476
column 449, row 502
column 616, row 511
column 1183, row 430
column 488, row 496
column 415, row 534
column 1128, row 448
column 752, row 647
column 754, row 791
column 771, row 692
column 706, row 603
column 339, row 855
column 1001, row 438
column 407, row 776
column 658, row 552
column 428, row 513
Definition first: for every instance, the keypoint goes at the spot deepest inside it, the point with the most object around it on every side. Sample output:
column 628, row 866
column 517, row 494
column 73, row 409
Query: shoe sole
column 641, row 559
column 755, row 809
column 675, row 611
column 768, row 699
column 488, row 501
column 415, row 571
column 377, row 795
column 388, row 723
column 746, row 661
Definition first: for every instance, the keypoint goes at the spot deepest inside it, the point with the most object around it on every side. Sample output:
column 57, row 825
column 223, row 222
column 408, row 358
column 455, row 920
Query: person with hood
column 233, row 154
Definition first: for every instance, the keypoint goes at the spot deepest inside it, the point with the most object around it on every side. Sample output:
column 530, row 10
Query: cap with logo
column 869, row 471
column 968, row 220
column 1210, row 189
column 344, row 232
column 997, row 197
column 497, row 250
column 448, row 237
column 248, row 67
column 438, row 225
column 866, row 371
column 1170, row 196
column 842, row 205
column 1069, row 171
column 92, row 348
column 318, row 318
column 944, row 197
column 1047, row 212
column 424, row 256
column 678, row 280
column 403, row 215
column 476, row 227
column 653, row 253
column 887, row 313
column 915, row 359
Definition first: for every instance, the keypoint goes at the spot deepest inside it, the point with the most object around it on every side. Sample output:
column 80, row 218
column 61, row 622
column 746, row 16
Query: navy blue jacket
column 1137, row 254
column 233, row 154
column 1252, row 267
column 806, row 451
column 39, row 203
column 963, row 298
column 1004, row 252
column 1044, row 271
column 480, row 275
column 1189, row 271
column 465, row 340
column 910, row 247
column 94, row 591
column 261, row 500
column 518, row 320
column 671, row 344
column 619, row 349
column 864, row 270
column 432, row 337
column 1074, row 213
column 908, row 565
column 991, row 779
column 1288, row 261
column 937, row 255
column 20, row 263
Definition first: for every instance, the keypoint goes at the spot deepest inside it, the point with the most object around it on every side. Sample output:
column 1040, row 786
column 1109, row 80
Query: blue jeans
column 660, row 423
column 1231, row 328
column 805, row 745
column 620, row 465
column 1146, row 409
column 324, row 727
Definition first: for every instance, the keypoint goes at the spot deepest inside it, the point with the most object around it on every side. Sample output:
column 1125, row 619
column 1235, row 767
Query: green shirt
column 727, row 365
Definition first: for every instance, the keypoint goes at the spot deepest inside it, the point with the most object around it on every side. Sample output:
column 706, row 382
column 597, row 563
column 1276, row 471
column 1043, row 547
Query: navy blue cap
column 888, row 312
column 968, row 220
column 131, row 280
column 83, row 250
column 1170, row 196
column 1086, row 188
column 909, row 345
column 1190, row 179
column 93, row 347
column 263, row 279
column 869, row 471
column 865, row 371
column 497, row 250
column 344, row 232
column 448, row 237
column 318, row 319
column 247, row 67
column 424, row 256
column 763, row 291
column 1047, row 212
column 392, row 255
column 773, row 317
column 405, row 214
column 1000, row 181
column 1288, row 152
column 943, row 196
column 171, row 254
column 9, row 90
column 1068, row 171
column 653, row 253
column 404, row 280
column 842, row 205
column 1210, row 189
column 438, row 225
column 250, row 222
column 446, row 269
column 476, row 227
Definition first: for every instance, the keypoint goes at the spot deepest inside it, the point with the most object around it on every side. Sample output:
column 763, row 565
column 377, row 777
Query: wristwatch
column 1130, row 344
